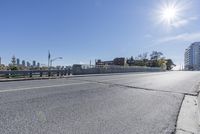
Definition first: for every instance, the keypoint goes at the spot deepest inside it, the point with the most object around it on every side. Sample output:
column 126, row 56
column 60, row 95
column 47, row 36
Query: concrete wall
column 113, row 69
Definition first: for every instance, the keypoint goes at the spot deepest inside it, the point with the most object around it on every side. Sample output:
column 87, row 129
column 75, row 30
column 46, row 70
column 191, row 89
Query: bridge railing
column 34, row 73
column 78, row 70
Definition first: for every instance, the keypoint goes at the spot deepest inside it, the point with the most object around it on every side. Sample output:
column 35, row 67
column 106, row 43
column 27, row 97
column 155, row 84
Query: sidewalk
column 188, row 122
column 189, row 116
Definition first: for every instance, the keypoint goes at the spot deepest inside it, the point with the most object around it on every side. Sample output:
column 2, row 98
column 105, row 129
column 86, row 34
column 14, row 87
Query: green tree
column 130, row 61
column 156, row 55
column 162, row 63
column 13, row 68
column 156, row 59
column 3, row 67
column 170, row 64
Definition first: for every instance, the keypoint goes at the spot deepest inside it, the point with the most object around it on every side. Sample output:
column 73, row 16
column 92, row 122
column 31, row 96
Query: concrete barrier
column 113, row 69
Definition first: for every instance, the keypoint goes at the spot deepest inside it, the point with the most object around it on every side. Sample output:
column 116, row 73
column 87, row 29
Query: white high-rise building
column 192, row 57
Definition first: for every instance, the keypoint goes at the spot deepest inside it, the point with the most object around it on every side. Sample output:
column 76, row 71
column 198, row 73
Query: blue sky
column 84, row 30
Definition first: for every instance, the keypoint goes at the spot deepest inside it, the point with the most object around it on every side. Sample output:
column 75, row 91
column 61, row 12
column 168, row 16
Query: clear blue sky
column 80, row 30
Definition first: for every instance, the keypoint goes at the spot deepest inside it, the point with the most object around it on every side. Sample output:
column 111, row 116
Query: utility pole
column 49, row 58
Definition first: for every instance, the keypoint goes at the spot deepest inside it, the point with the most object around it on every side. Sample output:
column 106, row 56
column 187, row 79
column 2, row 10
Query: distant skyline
column 84, row 30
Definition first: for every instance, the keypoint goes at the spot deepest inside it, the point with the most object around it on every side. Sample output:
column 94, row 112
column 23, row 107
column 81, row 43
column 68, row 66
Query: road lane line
column 29, row 88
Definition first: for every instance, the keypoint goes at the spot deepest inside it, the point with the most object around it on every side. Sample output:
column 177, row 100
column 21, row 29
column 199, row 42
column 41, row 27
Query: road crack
column 141, row 88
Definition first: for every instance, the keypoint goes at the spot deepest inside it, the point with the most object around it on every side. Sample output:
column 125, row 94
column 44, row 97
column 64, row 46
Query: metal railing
column 78, row 70
column 34, row 73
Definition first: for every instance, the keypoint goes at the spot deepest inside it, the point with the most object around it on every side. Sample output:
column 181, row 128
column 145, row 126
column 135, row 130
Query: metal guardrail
column 75, row 71
column 31, row 73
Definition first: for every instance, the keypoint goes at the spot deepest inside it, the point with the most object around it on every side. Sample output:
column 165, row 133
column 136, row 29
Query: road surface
column 131, row 103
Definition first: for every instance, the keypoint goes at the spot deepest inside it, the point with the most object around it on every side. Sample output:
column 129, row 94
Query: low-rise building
column 103, row 63
column 119, row 61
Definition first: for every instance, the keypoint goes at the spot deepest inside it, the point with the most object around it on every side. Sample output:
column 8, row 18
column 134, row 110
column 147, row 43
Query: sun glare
column 170, row 12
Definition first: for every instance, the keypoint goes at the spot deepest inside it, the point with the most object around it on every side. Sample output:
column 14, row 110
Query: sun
column 169, row 14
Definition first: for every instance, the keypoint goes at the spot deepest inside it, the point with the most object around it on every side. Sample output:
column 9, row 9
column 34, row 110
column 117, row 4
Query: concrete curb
column 198, row 109
column 187, row 122
column 198, row 103
column 198, row 112
column 189, row 116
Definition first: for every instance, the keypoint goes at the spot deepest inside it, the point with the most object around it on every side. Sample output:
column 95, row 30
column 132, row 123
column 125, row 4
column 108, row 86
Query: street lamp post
column 52, row 60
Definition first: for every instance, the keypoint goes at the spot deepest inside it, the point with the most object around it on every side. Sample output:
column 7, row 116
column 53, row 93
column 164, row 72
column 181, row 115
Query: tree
column 13, row 68
column 3, row 67
column 156, row 55
column 170, row 64
column 153, row 63
column 162, row 63
column 13, row 61
column 156, row 59
column 139, row 63
column 142, row 56
column 130, row 61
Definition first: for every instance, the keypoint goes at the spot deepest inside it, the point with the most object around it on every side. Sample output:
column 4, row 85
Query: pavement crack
column 149, row 89
column 188, row 132
column 142, row 88
column 184, row 94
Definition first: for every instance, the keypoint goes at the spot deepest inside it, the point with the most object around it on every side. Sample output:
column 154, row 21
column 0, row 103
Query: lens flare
column 171, row 13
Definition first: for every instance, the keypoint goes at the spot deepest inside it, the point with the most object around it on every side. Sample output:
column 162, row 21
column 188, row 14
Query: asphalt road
column 135, row 103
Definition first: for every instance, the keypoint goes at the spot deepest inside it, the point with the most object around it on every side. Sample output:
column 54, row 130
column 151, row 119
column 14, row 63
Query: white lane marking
column 29, row 88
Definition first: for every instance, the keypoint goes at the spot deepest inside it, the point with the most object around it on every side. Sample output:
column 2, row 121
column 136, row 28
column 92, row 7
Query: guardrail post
column 41, row 74
column 31, row 74
column 65, row 72
column 8, row 75
column 49, row 73
column 68, row 72
column 12, row 74
column 58, row 73
column 24, row 74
